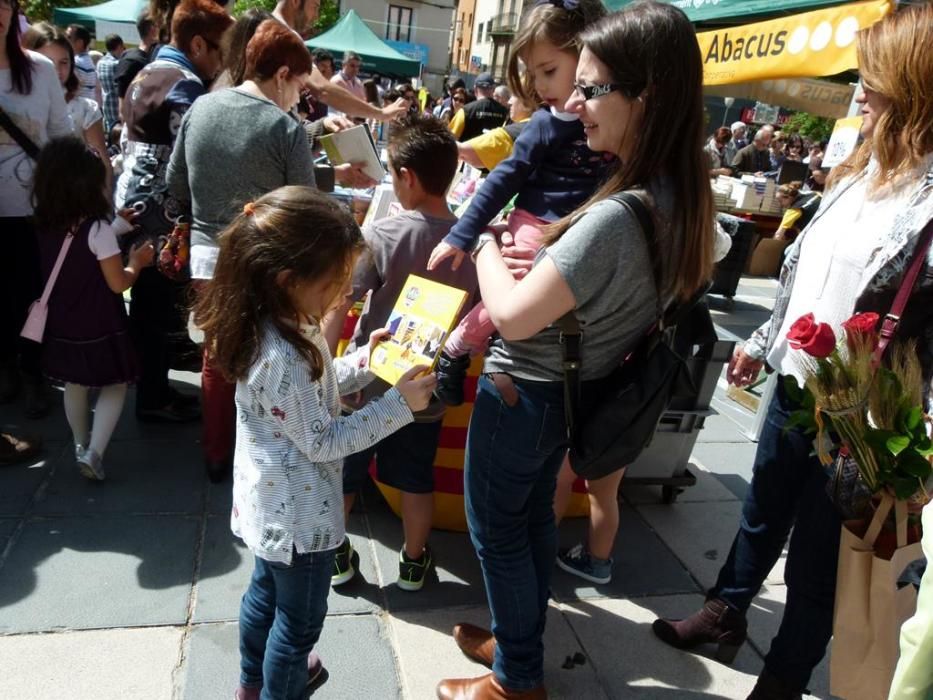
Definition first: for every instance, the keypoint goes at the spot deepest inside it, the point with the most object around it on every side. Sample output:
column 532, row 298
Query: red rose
column 816, row 339
column 861, row 330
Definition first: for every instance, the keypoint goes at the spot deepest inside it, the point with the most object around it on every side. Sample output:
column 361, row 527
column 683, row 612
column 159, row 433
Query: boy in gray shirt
column 423, row 158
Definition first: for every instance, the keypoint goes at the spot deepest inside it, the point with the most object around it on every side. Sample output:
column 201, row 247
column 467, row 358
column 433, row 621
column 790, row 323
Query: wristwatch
column 484, row 238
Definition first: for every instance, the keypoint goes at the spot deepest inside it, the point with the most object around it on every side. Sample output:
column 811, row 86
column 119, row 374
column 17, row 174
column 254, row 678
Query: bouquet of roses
column 874, row 414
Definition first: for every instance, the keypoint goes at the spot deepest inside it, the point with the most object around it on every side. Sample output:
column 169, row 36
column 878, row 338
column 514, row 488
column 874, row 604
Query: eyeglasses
column 459, row 99
column 591, row 92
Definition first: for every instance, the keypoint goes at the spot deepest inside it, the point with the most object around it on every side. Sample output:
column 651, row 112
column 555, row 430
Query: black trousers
column 158, row 321
column 20, row 285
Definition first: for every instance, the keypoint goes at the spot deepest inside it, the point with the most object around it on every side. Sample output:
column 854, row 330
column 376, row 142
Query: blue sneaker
column 578, row 561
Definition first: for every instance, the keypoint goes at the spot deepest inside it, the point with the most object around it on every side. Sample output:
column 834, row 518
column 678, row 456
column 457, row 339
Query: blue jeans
column 788, row 489
column 512, row 459
column 281, row 617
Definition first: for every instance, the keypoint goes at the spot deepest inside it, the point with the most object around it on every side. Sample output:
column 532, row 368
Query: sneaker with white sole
column 412, row 572
column 578, row 561
column 90, row 465
column 343, row 564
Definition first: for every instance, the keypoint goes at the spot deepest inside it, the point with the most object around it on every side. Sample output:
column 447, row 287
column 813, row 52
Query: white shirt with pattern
column 291, row 442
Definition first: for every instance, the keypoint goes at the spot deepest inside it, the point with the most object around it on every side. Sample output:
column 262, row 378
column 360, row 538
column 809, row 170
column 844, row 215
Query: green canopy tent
column 722, row 11
column 352, row 34
column 115, row 11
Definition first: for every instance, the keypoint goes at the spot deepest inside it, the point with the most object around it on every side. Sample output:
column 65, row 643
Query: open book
column 420, row 322
column 354, row 145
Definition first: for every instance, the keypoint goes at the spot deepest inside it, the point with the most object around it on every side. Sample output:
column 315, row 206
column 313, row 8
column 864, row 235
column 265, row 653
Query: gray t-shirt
column 399, row 246
column 604, row 259
column 231, row 149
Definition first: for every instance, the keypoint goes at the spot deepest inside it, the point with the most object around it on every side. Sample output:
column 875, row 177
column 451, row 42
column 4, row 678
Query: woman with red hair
column 235, row 145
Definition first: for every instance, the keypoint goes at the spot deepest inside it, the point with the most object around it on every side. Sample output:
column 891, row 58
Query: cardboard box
column 767, row 258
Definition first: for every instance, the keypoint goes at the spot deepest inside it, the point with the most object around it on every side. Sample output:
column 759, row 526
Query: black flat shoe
column 36, row 391
column 172, row 413
column 180, row 398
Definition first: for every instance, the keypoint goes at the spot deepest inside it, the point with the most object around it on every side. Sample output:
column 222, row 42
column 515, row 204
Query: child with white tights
column 86, row 343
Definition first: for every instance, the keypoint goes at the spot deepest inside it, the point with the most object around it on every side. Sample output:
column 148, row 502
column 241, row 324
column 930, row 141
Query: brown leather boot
column 484, row 688
column 716, row 623
column 477, row 643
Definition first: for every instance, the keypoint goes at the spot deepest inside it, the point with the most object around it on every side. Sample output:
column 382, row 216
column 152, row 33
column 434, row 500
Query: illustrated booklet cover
column 420, row 322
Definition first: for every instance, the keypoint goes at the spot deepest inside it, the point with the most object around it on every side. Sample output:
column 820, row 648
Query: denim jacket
column 886, row 267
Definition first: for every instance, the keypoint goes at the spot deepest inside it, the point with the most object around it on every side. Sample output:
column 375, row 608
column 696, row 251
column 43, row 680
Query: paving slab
column 143, row 476
column 707, row 488
column 19, row 482
column 7, row 526
column 764, row 619
column 719, row 428
column 730, row 462
column 455, row 578
column 700, row 535
column 227, row 565
column 631, row 662
column 355, row 649
column 111, row 571
column 635, row 545
column 426, row 634
column 220, row 498
column 126, row 664
column 738, row 414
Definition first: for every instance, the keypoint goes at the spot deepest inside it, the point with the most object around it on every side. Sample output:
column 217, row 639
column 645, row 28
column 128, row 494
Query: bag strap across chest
column 570, row 332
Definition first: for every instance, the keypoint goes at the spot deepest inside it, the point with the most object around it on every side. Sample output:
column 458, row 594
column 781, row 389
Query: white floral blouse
column 290, row 444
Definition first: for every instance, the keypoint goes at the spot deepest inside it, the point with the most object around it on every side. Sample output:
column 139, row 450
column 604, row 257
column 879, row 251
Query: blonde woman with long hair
column 851, row 258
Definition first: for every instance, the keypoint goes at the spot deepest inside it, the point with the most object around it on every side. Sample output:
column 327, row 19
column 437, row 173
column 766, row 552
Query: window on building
column 398, row 28
column 479, row 34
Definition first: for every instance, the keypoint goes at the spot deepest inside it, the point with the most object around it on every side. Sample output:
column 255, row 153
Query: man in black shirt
column 482, row 114
column 755, row 157
column 134, row 60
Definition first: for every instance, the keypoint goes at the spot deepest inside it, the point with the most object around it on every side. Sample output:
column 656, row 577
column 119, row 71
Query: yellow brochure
column 420, row 322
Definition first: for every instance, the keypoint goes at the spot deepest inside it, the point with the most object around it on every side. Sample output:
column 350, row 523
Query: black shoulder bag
column 610, row 421
column 24, row 142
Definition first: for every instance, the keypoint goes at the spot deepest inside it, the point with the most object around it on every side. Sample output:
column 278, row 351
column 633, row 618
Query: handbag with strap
column 34, row 328
column 610, row 421
column 24, row 142
column 845, row 488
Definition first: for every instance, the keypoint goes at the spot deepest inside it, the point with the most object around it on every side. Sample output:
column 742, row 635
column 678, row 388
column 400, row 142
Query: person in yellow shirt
column 799, row 208
column 480, row 115
column 489, row 149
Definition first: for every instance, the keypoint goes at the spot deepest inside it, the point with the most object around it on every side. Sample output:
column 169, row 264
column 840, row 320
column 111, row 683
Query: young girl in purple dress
column 86, row 342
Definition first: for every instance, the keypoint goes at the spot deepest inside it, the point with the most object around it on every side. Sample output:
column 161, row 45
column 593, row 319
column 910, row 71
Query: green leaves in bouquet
column 904, row 453
column 805, row 416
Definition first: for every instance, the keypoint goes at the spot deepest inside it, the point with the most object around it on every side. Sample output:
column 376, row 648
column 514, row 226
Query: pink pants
column 473, row 333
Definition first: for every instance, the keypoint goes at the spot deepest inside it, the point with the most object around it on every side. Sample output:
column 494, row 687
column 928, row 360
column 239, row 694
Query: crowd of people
column 731, row 153
column 212, row 123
